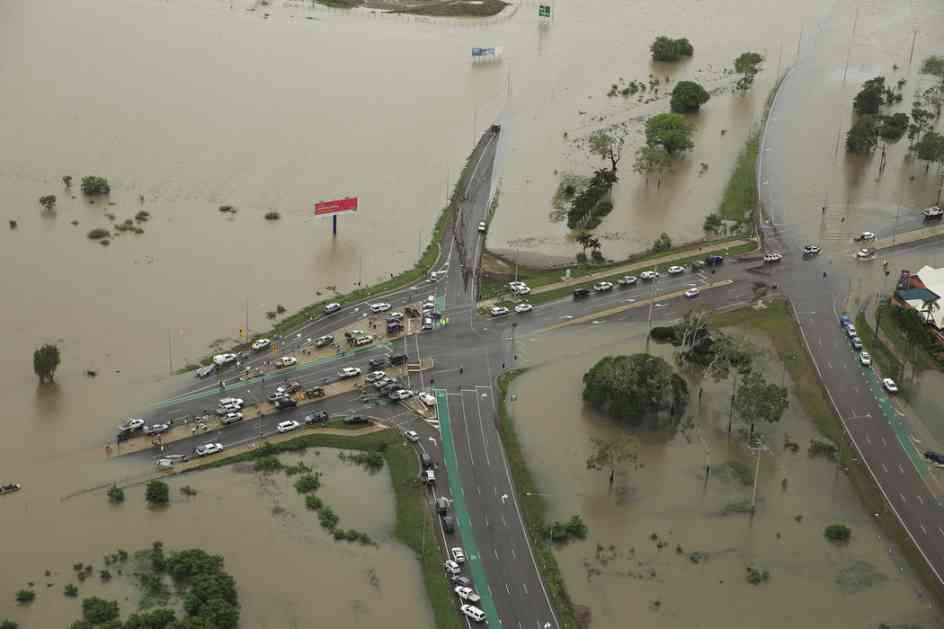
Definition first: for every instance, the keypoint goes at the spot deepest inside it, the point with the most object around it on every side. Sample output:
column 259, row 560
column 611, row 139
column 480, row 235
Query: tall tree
column 863, row 136
column 608, row 144
column 652, row 160
column 891, row 129
column 688, row 97
column 611, row 454
column 668, row 49
column 747, row 65
column 758, row 400
column 45, row 362
column 870, row 97
column 920, row 121
column 930, row 148
column 670, row 131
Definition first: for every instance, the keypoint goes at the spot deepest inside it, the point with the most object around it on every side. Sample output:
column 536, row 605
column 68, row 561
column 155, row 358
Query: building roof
column 933, row 279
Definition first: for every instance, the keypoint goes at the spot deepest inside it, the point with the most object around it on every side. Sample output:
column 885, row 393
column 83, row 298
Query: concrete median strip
column 623, row 308
column 473, row 560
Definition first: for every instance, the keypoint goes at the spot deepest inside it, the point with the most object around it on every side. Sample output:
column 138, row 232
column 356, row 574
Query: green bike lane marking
column 213, row 390
column 473, row 559
column 898, row 426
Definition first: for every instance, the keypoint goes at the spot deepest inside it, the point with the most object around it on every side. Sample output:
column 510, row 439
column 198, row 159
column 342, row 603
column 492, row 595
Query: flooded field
column 670, row 549
column 273, row 546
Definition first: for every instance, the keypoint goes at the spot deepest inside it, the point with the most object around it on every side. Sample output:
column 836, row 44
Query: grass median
column 414, row 523
column 533, row 508
column 886, row 361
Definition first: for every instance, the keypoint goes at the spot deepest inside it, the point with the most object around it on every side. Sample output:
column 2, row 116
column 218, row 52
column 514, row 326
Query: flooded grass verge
column 740, row 194
column 432, row 8
column 776, row 321
column 533, row 508
column 414, row 524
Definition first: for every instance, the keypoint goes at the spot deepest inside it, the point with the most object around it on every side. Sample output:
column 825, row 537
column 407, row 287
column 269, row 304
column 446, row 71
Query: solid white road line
column 902, row 497
column 921, row 524
column 920, row 499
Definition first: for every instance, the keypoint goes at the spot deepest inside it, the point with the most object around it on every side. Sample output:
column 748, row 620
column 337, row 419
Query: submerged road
column 872, row 419
column 468, row 355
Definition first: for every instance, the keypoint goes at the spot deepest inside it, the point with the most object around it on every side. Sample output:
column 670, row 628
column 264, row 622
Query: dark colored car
column 698, row 264
column 398, row 359
column 580, row 293
column 393, row 327
column 935, row 457
column 714, row 260
column 356, row 420
column 314, row 393
column 317, row 418
column 426, row 460
column 294, row 387
column 376, row 363
column 285, row 402
column 449, row 524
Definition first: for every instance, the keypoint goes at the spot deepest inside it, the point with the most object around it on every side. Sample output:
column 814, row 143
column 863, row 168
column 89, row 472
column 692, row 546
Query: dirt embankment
column 435, row 8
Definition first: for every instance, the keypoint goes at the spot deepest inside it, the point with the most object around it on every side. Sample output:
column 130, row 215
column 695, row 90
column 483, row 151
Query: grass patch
column 740, row 195
column 533, row 508
column 883, row 357
column 896, row 336
column 778, row 324
column 414, row 523
column 486, row 8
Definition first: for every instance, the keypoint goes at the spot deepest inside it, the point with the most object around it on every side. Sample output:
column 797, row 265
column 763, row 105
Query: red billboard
column 338, row 205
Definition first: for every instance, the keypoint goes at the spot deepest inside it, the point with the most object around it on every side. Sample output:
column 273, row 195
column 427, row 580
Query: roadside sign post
column 335, row 207
column 544, row 10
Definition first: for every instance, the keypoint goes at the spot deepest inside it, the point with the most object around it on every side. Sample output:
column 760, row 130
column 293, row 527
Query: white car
column 933, row 212
column 321, row 341
column 260, row 344
column 232, row 401
column 865, row 358
column 482, row 226
column 867, row 236
column 675, row 269
column 467, row 594
column 286, row 361
column 156, row 429
column 520, row 308
column 773, row 256
column 332, row 307
column 516, row 285
column 373, row 376
column 131, row 424
column 380, row 307
column 428, row 307
column 411, row 436
column 224, row 359
column 472, row 613
column 427, row 399
column 231, row 418
column 287, row 426
column 649, row 275
column 628, row 280
column 349, row 372
column 602, row 287
column 810, row 250
column 457, row 554
column 522, row 289
column 851, row 330
column 452, row 567
column 865, row 254
column 395, row 316
column 691, row 293
column 208, row 448
column 890, row 385
column 497, row 311
column 401, row 394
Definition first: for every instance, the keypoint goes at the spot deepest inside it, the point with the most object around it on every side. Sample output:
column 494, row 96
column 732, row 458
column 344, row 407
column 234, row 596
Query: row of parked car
column 865, row 359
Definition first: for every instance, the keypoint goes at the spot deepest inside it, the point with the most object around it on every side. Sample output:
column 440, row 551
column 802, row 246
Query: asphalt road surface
column 468, row 355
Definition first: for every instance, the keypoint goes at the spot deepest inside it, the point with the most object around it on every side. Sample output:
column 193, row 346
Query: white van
column 363, row 340
column 472, row 612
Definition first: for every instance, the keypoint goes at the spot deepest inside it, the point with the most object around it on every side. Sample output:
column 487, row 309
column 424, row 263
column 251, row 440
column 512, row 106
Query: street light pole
column 652, row 290
column 756, row 473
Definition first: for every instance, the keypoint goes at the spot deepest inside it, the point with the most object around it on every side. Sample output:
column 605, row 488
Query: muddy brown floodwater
column 290, row 571
column 621, row 572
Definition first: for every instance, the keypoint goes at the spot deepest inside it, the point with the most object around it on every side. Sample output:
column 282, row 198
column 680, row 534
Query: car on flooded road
column 287, row 426
column 208, row 448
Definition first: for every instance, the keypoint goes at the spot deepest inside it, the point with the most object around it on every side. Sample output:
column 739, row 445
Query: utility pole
column 170, row 354
column 799, row 41
column 248, row 336
column 779, row 60
column 914, row 38
column 756, row 473
column 897, row 216
column 516, row 264
column 851, row 40
column 652, row 290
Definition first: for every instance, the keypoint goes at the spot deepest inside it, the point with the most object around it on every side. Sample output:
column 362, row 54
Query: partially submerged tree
column 670, row 131
column 611, row 454
column 48, row 201
column 933, row 65
column 652, row 160
column 688, row 97
column 891, row 129
column 920, row 121
column 93, row 185
column 930, row 148
column 642, row 390
column 747, row 65
column 668, row 49
column 758, row 400
column 863, row 136
column 45, row 362
column 870, row 97
column 608, row 144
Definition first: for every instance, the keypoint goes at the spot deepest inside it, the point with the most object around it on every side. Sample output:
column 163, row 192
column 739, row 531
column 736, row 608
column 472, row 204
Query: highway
column 818, row 291
column 467, row 354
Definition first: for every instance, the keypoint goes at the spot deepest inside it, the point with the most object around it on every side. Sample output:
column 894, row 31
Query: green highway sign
column 544, row 10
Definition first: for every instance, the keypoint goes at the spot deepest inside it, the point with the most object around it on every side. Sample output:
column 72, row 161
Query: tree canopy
column 747, row 65
column 863, row 136
column 668, row 49
column 93, row 184
column 670, row 131
column 930, row 147
column 758, row 400
column 933, row 65
column 608, row 144
column 45, row 362
column 870, row 97
column 157, row 493
column 892, row 128
column 640, row 389
column 688, row 97
column 652, row 160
